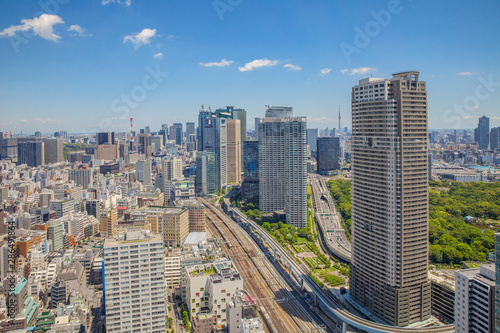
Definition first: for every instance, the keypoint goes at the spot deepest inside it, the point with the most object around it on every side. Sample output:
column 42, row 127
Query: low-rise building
column 443, row 295
column 210, row 286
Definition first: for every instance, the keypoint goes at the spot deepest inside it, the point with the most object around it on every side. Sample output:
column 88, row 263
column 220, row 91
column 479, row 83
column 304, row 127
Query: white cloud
column 467, row 73
column 42, row 26
column 158, row 55
column 142, row 38
column 358, row 71
column 222, row 63
column 78, row 31
column 292, row 67
column 121, row 2
column 258, row 64
column 320, row 120
column 46, row 120
column 325, row 71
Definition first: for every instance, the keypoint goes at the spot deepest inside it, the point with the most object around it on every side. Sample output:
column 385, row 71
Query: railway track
column 276, row 303
column 329, row 305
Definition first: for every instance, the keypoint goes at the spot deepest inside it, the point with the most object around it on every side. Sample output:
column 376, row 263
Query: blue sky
column 84, row 66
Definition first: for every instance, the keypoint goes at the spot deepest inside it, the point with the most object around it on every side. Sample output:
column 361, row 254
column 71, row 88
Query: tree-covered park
column 451, row 240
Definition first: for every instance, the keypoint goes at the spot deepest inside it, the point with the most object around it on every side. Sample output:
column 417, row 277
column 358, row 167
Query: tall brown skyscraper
column 233, row 151
column 388, row 273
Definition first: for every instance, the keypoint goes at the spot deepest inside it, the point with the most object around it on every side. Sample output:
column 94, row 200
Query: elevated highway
column 332, row 233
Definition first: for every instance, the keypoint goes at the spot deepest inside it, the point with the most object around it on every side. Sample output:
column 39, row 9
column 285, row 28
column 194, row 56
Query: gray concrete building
column 53, row 150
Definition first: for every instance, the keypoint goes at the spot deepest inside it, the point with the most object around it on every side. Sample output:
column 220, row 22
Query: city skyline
column 76, row 68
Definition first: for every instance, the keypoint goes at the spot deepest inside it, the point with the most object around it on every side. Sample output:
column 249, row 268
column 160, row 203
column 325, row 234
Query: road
column 325, row 301
column 276, row 300
column 333, row 235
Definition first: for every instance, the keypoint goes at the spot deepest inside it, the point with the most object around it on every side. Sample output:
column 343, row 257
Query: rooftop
column 195, row 238
column 132, row 235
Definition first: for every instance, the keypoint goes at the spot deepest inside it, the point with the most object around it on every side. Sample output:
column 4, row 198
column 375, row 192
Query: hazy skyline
column 81, row 66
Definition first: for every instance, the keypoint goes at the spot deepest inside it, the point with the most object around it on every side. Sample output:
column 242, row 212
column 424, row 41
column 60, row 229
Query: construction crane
column 6, row 135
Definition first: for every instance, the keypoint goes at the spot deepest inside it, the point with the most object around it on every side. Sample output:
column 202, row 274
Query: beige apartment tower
column 233, row 151
column 107, row 221
column 388, row 273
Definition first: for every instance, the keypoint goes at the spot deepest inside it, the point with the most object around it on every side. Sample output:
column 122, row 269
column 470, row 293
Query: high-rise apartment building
column 81, row 177
column 274, row 112
column 482, row 132
column 205, row 182
column 172, row 168
column 107, row 222
column 31, row 153
column 134, row 283
column 234, row 150
column 328, row 155
column 475, row 300
column 388, row 272
column 53, row 150
column 279, row 111
column 215, row 137
column 283, row 168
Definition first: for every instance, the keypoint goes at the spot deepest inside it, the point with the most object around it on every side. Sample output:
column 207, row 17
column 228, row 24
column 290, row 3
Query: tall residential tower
column 388, row 273
column 283, row 168
column 134, row 283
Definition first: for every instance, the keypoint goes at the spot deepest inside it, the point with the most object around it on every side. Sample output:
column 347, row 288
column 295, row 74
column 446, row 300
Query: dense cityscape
column 374, row 217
